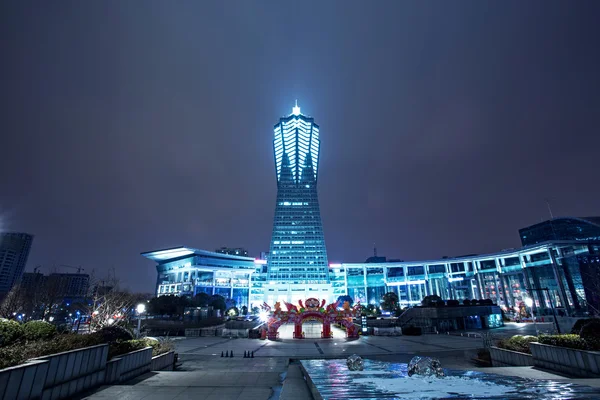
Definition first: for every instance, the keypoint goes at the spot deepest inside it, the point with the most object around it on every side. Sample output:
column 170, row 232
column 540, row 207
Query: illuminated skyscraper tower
column 297, row 253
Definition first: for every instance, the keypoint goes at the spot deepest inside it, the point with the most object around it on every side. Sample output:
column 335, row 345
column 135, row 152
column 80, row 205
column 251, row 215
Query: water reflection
column 384, row 380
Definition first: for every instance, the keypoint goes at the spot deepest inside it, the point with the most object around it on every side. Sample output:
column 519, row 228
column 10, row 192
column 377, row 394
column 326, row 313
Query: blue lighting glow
column 296, row 138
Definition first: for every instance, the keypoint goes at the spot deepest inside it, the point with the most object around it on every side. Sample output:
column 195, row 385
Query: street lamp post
column 140, row 310
column 529, row 303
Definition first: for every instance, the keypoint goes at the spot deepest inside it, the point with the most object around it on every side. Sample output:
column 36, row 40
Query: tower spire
column 296, row 109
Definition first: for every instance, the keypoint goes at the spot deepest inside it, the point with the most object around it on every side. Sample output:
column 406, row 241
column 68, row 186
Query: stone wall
column 508, row 358
column 164, row 362
column 63, row 375
column 585, row 364
column 56, row 376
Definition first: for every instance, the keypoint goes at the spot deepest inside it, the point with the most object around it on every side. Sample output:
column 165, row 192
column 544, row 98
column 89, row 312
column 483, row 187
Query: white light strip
column 419, row 282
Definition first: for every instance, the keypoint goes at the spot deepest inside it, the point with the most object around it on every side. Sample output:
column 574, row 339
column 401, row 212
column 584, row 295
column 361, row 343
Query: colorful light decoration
column 311, row 309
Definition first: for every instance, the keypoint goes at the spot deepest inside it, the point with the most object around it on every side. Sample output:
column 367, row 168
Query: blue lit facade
column 550, row 273
column 297, row 255
column 184, row 271
column 559, row 274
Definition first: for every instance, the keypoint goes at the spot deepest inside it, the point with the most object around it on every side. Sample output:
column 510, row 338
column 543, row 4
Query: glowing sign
column 335, row 265
column 458, row 279
column 260, row 262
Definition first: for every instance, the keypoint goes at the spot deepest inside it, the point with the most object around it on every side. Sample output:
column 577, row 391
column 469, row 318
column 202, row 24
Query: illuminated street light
column 263, row 316
column 141, row 308
column 529, row 303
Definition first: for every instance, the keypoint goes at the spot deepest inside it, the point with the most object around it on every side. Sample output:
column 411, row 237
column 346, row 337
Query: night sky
column 134, row 126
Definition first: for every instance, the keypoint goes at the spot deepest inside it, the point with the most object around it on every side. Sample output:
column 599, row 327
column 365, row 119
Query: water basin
column 384, row 380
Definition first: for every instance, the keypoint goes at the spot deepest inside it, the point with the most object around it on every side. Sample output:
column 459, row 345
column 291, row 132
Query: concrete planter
column 393, row 331
column 508, row 358
column 128, row 366
column 163, row 362
column 56, row 376
column 238, row 333
column 581, row 363
column 23, row 381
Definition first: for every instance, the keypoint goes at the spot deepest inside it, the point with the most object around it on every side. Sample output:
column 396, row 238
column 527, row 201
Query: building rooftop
column 173, row 253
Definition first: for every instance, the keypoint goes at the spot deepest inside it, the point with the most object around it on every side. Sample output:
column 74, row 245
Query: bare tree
column 110, row 304
column 51, row 295
column 13, row 303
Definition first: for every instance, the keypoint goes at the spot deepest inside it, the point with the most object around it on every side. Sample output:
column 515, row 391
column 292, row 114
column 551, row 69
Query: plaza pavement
column 274, row 374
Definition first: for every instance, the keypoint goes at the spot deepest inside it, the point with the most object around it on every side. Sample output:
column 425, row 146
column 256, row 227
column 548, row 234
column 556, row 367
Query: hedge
column 18, row 353
column 569, row 340
column 10, row 332
column 36, row 330
column 518, row 343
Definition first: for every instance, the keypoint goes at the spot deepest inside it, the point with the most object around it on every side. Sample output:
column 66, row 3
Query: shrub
column 452, row 303
column 113, row 333
column 127, row 346
column 517, row 343
column 412, row 331
column 10, row 332
column 569, row 341
column 11, row 355
column 466, row 302
column 36, row 330
column 159, row 346
column 233, row 312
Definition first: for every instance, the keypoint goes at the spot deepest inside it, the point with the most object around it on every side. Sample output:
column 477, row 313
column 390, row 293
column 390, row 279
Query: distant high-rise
column 297, row 251
column 14, row 250
column 237, row 251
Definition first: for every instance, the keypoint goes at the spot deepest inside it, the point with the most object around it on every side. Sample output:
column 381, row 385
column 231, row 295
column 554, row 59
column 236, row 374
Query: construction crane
column 79, row 269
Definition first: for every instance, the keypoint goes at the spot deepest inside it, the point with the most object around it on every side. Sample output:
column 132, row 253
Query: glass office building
column 552, row 273
column 565, row 228
column 560, row 275
column 297, row 255
column 184, row 271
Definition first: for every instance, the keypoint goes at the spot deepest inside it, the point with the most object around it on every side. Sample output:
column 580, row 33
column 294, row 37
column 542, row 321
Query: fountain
column 424, row 378
column 355, row 363
column 425, row 366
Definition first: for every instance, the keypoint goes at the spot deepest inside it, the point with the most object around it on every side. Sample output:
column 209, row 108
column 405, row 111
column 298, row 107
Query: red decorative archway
column 312, row 309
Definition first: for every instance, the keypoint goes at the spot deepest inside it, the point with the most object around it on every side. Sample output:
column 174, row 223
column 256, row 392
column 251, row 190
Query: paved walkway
column 204, row 374
column 204, row 378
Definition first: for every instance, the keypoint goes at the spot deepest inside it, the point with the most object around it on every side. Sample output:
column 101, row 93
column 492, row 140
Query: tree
column 201, row 299
column 13, row 303
column 112, row 305
column 244, row 310
column 169, row 304
column 343, row 299
column 431, row 300
column 218, row 303
column 389, row 301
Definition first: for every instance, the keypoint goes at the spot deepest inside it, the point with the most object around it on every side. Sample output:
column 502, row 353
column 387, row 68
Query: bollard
column 221, row 354
column 252, row 354
column 231, row 353
column 245, row 354
column 227, row 353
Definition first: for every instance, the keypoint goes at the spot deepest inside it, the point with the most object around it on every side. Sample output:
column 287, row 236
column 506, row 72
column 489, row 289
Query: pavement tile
column 195, row 393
